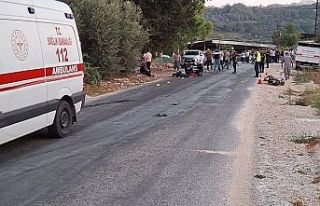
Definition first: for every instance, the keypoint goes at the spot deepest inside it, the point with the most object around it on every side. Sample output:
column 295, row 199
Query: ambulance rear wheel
column 62, row 124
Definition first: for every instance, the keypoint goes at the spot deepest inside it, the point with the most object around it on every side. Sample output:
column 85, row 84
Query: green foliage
column 317, row 102
column 133, row 37
column 92, row 75
column 301, row 102
column 161, row 60
column 303, row 76
column 111, row 34
column 226, row 47
column 306, row 138
column 311, row 96
column 288, row 37
column 174, row 23
column 259, row 23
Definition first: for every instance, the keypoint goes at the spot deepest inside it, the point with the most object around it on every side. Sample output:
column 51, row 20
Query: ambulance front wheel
column 62, row 124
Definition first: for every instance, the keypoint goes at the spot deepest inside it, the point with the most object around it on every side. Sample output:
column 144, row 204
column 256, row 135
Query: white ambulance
column 41, row 68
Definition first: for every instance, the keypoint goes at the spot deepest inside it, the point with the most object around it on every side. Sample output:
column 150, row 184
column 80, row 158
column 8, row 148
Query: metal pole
column 316, row 25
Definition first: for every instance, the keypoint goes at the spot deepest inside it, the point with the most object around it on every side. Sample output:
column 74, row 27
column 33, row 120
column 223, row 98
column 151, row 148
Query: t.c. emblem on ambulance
column 19, row 45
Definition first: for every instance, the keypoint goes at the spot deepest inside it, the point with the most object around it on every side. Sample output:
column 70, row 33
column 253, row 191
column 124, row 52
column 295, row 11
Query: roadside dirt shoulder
column 286, row 165
column 128, row 81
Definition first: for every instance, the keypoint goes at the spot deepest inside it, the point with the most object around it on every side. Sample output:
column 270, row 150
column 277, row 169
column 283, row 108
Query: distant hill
column 306, row 2
column 259, row 23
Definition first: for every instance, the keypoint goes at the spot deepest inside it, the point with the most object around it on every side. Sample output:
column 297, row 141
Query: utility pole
column 278, row 36
column 317, row 23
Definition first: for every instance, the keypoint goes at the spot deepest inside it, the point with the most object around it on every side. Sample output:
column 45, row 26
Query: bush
column 303, row 76
column 310, row 97
column 305, row 138
column 316, row 103
column 307, row 75
column 92, row 75
column 301, row 102
column 159, row 60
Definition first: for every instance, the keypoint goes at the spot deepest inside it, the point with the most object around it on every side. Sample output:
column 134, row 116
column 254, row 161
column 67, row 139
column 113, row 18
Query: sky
column 220, row 3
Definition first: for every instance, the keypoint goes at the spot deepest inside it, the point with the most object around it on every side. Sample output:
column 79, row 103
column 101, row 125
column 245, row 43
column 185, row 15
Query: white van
column 41, row 68
column 307, row 55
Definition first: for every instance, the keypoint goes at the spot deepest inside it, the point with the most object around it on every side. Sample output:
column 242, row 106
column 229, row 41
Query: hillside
column 259, row 23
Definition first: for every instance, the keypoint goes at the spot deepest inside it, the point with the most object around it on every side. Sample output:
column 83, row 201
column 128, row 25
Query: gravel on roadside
column 286, row 173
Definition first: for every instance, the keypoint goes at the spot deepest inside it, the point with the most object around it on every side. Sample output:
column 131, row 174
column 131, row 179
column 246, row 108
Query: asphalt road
column 122, row 153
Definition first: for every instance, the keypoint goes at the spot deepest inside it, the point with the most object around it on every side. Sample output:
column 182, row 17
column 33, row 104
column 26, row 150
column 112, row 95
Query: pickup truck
column 195, row 57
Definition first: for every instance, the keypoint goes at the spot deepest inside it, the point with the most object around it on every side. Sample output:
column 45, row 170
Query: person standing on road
column 221, row 60
column 273, row 56
column 248, row 56
column 281, row 56
column 234, row 61
column 227, row 59
column 277, row 56
column 257, row 63
column 262, row 62
column 268, row 57
column 176, row 61
column 216, row 57
column 287, row 65
column 209, row 59
column 148, row 59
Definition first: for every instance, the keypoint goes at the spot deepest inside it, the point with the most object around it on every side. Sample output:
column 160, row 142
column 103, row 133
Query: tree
column 287, row 37
column 290, row 36
column 133, row 37
column 111, row 34
column 173, row 23
column 259, row 23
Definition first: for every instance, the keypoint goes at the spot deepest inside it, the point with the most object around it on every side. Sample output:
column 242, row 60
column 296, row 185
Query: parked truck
column 307, row 55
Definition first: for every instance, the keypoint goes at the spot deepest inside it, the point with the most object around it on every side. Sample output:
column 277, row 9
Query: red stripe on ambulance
column 22, row 85
column 21, row 76
column 68, row 71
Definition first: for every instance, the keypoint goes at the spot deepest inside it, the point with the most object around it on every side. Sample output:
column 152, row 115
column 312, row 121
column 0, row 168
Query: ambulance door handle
column 31, row 10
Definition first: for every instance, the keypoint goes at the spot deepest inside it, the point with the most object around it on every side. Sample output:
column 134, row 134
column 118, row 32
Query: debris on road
column 260, row 176
column 162, row 115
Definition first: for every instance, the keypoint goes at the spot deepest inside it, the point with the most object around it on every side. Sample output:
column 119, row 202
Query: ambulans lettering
column 64, row 69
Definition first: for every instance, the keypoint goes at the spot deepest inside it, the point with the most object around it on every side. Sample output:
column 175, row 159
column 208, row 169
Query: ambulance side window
column 59, row 44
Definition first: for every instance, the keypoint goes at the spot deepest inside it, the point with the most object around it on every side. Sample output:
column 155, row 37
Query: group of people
column 220, row 60
column 260, row 58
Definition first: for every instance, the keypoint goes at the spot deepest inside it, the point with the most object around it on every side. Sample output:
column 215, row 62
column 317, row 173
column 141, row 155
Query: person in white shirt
column 148, row 59
column 273, row 55
column 221, row 59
